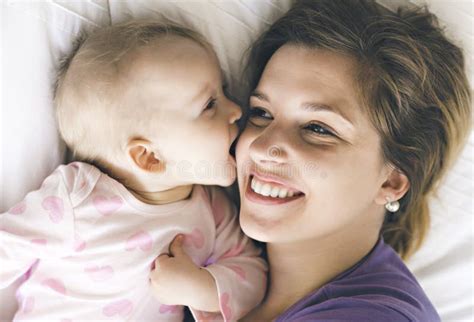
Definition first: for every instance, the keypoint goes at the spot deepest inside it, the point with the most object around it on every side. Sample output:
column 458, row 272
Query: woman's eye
column 259, row 117
column 211, row 104
column 319, row 130
column 257, row 112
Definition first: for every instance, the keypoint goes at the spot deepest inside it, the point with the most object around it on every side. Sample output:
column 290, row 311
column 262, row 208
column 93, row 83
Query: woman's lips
column 260, row 199
column 273, row 179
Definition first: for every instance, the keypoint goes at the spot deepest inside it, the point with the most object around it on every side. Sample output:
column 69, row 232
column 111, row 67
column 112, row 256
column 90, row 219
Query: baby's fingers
column 176, row 246
column 157, row 268
column 160, row 260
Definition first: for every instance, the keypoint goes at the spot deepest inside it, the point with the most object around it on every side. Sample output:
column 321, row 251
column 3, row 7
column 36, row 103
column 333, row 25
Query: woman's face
column 309, row 161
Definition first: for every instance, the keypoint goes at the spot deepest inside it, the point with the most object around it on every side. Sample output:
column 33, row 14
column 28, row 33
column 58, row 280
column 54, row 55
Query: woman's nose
column 268, row 148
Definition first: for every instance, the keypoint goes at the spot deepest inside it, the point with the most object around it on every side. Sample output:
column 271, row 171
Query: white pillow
column 34, row 35
column 444, row 264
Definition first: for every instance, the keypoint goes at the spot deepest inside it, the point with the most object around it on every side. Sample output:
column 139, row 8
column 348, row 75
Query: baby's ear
column 140, row 153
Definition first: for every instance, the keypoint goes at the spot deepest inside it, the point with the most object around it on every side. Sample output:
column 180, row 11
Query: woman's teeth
column 268, row 190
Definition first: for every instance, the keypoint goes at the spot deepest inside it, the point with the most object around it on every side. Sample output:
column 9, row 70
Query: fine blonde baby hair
column 87, row 92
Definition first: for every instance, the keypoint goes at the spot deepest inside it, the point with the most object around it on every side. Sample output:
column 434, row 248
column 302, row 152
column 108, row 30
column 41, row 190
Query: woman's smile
column 266, row 192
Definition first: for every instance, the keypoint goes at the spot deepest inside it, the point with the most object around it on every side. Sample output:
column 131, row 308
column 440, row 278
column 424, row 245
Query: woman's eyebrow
column 317, row 107
column 309, row 107
column 260, row 96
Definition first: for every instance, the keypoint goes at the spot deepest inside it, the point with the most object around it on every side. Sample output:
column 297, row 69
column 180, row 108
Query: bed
column 34, row 34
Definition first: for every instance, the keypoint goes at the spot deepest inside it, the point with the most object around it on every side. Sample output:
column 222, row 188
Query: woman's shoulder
column 379, row 287
column 346, row 309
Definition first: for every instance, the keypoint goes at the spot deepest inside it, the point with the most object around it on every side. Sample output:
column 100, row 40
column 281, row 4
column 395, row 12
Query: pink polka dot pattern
column 55, row 284
column 99, row 273
column 39, row 241
column 107, row 205
column 225, row 306
column 79, row 244
column 55, row 208
column 18, row 209
column 141, row 240
column 195, row 239
column 170, row 309
column 239, row 271
column 121, row 308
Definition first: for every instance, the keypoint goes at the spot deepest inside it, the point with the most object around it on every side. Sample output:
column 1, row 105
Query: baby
column 142, row 102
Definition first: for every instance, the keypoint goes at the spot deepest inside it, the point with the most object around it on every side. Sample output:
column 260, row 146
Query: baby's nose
column 235, row 112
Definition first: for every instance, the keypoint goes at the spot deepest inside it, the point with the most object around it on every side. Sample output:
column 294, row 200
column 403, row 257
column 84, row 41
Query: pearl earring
column 392, row 206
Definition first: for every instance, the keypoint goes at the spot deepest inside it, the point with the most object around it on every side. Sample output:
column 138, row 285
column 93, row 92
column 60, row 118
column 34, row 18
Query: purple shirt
column 378, row 288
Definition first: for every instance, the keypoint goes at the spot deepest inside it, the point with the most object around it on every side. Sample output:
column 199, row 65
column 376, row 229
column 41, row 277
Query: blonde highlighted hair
column 412, row 84
column 88, row 88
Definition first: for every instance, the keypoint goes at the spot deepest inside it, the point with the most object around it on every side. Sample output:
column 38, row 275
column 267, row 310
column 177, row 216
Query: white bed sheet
column 35, row 33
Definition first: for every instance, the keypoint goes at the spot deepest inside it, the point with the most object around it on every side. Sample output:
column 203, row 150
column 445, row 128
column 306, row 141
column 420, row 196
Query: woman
column 355, row 115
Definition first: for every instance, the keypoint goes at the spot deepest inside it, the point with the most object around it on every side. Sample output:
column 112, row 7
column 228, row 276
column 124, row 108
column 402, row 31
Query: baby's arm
column 233, row 282
column 37, row 227
column 177, row 280
column 239, row 272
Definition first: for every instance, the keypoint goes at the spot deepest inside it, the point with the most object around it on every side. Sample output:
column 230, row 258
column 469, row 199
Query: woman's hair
column 87, row 95
column 411, row 82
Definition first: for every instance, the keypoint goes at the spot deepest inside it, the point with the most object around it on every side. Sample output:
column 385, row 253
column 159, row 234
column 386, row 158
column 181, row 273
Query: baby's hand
column 176, row 280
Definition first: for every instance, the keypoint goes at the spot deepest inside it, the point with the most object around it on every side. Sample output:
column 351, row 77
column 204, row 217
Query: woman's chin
column 257, row 228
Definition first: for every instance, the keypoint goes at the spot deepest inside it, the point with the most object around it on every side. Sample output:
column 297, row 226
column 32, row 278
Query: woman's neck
column 299, row 268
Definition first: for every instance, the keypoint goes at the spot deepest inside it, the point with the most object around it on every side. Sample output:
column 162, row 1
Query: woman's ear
column 394, row 187
column 140, row 153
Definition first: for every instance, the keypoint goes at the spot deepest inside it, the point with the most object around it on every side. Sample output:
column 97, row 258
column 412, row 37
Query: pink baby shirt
column 85, row 246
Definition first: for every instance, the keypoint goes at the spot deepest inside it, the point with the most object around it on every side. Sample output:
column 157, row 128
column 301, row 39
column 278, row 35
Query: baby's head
column 144, row 101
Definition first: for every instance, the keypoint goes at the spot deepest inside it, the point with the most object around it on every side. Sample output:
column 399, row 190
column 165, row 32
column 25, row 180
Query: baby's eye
column 211, row 104
column 318, row 130
column 258, row 116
